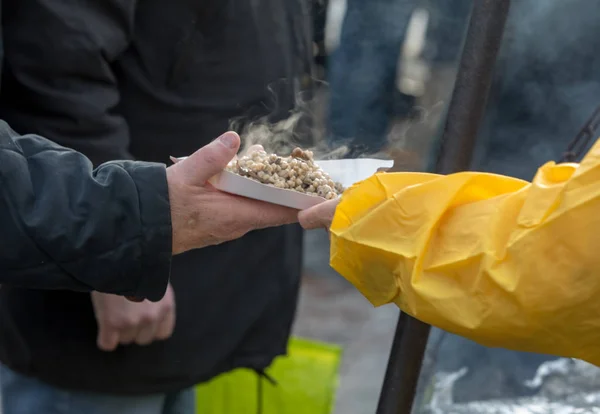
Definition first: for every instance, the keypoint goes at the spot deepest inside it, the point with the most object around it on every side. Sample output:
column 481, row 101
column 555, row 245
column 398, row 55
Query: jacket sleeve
column 501, row 261
column 66, row 226
column 59, row 74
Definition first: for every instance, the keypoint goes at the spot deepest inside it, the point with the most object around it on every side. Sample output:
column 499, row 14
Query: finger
column 127, row 335
column 166, row 327
column 318, row 216
column 261, row 215
column 210, row 159
column 108, row 339
column 146, row 333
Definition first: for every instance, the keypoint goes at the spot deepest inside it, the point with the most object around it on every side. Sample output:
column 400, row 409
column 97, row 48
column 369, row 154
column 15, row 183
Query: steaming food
column 297, row 172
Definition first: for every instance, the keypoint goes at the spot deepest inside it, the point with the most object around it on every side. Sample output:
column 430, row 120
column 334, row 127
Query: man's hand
column 121, row 321
column 319, row 216
column 203, row 216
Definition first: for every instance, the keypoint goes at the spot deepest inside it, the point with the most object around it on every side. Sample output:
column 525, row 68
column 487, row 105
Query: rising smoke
column 283, row 136
column 305, row 127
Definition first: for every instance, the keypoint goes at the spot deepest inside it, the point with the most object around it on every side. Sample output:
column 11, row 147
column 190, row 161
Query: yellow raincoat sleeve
column 498, row 260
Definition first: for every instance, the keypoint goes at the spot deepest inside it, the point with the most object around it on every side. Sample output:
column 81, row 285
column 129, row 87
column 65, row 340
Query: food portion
column 298, row 172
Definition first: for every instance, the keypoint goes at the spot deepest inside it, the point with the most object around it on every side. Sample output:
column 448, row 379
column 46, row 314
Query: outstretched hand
column 202, row 215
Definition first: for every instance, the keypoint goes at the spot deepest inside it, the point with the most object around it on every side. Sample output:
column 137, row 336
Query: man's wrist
column 156, row 229
column 176, row 234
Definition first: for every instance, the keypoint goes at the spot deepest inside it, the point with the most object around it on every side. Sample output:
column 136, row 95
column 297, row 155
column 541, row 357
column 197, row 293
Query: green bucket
column 307, row 379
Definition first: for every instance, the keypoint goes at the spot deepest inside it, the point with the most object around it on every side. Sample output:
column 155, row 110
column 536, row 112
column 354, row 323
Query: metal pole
column 465, row 113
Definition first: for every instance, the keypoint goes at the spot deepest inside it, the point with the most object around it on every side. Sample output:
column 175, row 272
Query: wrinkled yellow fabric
column 498, row 260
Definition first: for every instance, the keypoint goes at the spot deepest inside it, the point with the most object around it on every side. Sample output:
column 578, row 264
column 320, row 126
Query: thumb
column 210, row 159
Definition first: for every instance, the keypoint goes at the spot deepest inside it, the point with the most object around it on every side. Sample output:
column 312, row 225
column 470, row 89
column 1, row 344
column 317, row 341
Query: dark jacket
column 53, row 237
column 149, row 79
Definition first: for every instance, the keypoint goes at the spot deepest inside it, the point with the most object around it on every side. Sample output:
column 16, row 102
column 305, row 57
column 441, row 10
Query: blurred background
column 397, row 62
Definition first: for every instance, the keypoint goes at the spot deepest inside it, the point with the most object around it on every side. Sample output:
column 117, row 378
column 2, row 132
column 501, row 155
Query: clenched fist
column 123, row 322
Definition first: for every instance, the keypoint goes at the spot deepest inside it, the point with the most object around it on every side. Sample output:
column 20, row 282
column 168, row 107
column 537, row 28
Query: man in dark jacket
column 86, row 76
column 51, row 230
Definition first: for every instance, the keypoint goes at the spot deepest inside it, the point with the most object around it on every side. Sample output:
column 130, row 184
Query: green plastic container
column 307, row 380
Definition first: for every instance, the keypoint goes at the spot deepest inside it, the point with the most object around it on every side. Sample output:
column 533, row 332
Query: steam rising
column 282, row 137
column 305, row 128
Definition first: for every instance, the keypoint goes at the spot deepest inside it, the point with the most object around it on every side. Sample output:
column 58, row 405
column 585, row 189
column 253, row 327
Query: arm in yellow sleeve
column 495, row 259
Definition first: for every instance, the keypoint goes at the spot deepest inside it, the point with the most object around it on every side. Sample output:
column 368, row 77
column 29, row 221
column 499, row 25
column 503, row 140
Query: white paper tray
column 247, row 187
column 346, row 172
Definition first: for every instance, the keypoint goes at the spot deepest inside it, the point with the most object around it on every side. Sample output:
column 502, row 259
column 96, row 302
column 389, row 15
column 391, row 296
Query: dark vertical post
column 473, row 81
column 465, row 113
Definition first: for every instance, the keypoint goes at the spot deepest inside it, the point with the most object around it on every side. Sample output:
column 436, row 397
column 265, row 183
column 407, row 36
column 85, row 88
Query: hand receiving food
column 123, row 322
column 203, row 216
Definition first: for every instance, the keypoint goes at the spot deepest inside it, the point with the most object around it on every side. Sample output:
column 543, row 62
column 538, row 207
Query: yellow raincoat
column 498, row 260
